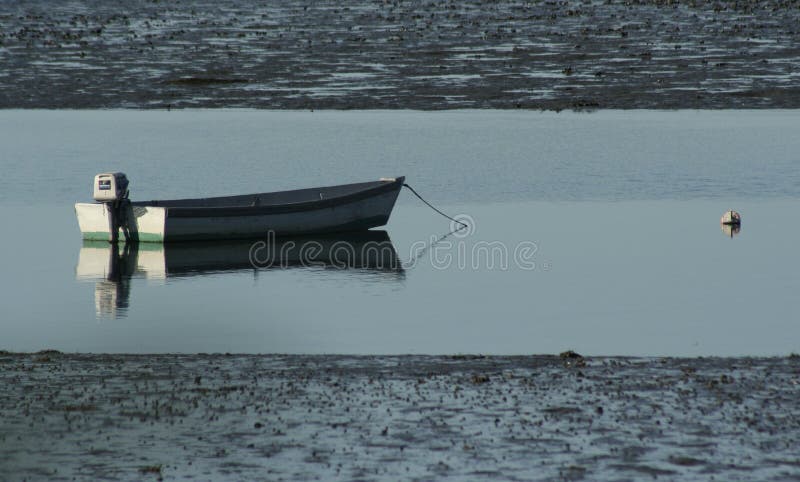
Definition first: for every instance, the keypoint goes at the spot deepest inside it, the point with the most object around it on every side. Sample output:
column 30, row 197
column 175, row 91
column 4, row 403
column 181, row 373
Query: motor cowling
column 110, row 187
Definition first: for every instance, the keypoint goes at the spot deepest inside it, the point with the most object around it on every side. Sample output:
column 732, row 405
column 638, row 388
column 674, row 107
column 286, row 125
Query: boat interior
column 269, row 198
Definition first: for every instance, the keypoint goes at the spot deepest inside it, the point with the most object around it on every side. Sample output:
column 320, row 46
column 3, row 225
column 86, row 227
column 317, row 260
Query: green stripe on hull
column 104, row 244
column 104, row 235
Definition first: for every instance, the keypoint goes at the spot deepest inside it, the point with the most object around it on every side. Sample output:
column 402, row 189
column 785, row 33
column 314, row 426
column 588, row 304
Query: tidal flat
column 461, row 417
column 442, row 54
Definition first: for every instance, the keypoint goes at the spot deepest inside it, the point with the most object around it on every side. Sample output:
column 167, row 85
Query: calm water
column 594, row 232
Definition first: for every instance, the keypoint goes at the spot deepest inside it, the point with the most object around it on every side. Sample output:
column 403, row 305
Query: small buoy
column 731, row 218
column 731, row 230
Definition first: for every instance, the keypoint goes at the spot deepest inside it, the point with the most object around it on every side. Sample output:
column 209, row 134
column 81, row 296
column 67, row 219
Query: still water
column 597, row 232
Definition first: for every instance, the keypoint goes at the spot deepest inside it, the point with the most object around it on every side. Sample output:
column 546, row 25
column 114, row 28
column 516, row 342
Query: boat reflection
column 112, row 267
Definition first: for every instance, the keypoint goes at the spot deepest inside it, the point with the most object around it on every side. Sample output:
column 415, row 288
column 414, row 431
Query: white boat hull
column 147, row 223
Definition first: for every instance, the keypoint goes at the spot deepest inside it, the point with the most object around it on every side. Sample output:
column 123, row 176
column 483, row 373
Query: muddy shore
column 397, row 417
column 386, row 55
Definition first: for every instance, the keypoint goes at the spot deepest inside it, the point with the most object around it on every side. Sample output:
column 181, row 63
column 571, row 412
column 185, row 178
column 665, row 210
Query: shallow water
column 597, row 232
column 454, row 157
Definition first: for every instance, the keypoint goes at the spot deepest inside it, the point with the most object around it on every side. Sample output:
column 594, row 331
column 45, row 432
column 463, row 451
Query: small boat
column 342, row 208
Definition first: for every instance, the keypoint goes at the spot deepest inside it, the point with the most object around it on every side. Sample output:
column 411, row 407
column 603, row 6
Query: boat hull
column 146, row 223
column 152, row 223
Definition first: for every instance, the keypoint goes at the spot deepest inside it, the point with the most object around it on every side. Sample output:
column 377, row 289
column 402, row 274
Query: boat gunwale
column 244, row 210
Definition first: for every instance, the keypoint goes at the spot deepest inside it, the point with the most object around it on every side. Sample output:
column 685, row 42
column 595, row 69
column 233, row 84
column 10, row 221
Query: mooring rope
column 462, row 223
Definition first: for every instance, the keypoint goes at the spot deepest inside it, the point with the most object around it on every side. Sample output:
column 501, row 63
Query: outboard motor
column 111, row 189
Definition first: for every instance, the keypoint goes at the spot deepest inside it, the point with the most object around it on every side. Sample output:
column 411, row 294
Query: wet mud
column 397, row 417
column 400, row 54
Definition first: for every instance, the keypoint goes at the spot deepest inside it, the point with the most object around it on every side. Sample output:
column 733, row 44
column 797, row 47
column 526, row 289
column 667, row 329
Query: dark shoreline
column 564, row 356
column 646, row 54
column 390, row 417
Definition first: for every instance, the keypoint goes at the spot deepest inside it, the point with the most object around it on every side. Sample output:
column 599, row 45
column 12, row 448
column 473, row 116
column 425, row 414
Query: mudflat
column 400, row 54
column 398, row 417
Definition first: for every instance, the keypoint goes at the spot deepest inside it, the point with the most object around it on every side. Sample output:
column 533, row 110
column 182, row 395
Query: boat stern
column 143, row 223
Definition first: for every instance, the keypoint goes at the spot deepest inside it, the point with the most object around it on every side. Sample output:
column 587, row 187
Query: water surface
column 617, row 211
